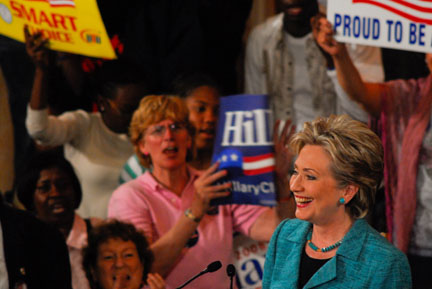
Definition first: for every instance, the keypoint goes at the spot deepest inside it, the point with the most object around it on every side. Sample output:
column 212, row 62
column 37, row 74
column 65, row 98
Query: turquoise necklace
column 325, row 249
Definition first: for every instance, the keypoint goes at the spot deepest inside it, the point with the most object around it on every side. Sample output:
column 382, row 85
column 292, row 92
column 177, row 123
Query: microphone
column 212, row 267
column 231, row 271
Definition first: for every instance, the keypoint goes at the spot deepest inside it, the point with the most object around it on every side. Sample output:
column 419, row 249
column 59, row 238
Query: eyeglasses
column 160, row 130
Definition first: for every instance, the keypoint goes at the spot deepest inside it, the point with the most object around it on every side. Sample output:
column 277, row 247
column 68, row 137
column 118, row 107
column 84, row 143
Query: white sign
column 249, row 258
column 399, row 24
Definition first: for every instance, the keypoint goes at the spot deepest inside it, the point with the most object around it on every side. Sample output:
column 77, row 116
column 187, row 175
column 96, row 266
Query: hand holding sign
column 205, row 191
column 367, row 94
column 36, row 48
column 324, row 35
column 244, row 148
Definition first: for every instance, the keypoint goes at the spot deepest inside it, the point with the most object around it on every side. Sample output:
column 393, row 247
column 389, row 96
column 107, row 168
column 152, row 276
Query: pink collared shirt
column 154, row 209
column 76, row 241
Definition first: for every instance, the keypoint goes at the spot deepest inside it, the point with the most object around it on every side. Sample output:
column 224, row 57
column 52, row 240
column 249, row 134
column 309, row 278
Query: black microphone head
column 212, row 267
column 231, row 271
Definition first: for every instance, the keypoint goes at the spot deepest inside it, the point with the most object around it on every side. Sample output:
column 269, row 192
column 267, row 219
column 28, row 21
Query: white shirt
column 96, row 153
column 304, row 109
column 76, row 241
column 421, row 240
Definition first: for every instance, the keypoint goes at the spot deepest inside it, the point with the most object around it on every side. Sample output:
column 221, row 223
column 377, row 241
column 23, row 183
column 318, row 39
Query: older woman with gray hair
column 334, row 181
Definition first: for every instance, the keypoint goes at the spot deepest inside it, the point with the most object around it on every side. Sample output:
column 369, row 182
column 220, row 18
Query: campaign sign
column 244, row 147
column 73, row 26
column 249, row 258
column 399, row 24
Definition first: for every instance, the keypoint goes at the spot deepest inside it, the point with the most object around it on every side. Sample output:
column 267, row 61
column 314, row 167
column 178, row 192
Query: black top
column 35, row 253
column 308, row 267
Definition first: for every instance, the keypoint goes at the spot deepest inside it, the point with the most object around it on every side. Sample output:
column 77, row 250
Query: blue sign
column 244, row 147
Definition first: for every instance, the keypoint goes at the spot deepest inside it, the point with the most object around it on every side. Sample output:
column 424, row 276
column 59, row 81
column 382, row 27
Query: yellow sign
column 73, row 26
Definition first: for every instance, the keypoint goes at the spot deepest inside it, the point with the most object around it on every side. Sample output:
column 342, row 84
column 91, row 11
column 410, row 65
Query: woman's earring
column 341, row 201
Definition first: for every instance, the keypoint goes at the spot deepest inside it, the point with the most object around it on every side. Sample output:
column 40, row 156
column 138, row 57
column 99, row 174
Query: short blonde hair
column 356, row 156
column 153, row 109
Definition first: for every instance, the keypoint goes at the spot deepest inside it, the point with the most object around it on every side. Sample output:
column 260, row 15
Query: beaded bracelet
column 188, row 214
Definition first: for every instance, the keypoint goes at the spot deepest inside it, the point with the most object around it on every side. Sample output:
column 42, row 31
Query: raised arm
column 45, row 129
column 37, row 51
column 266, row 223
column 367, row 94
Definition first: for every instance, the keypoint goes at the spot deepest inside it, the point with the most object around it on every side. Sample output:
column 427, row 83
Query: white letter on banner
column 261, row 122
column 236, row 128
column 248, row 126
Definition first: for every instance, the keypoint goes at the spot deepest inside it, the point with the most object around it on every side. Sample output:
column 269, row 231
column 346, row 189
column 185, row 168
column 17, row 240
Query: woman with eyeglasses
column 169, row 202
column 201, row 95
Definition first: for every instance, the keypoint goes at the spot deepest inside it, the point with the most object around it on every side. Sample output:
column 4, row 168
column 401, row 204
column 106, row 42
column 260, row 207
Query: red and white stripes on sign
column 257, row 165
column 62, row 3
column 419, row 11
column 58, row 3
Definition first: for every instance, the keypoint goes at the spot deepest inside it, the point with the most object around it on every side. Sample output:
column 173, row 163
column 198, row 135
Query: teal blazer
column 365, row 259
